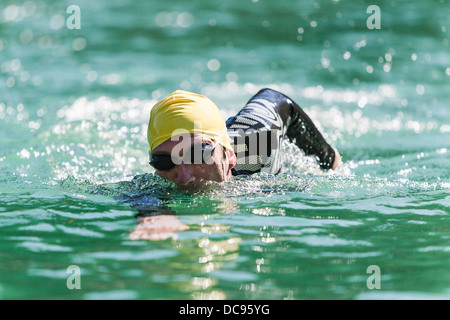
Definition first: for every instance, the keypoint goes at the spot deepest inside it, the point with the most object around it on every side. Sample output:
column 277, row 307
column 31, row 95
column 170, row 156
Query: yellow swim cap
column 186, row 112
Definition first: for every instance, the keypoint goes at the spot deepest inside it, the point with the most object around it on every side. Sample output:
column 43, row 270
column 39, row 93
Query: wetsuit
column 258, row 130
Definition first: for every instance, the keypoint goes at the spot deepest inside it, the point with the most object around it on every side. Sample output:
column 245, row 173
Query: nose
column 183, row 174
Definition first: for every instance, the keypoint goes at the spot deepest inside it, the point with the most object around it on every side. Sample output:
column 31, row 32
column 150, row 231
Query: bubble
column 26, row 36
column 231, row 76
column 185, row 85
column 185, row 19
column 10, row 82
column 420, row 89
column 30, row 8
column 112, row 79
column 24, row 154
column 45, row 42
column 360, row 44
column 325, row 62
column 11, row 12
column 163, row 19
column 79, row 44
column 57, row 22
column 362, row 102
column 213, row 64
column 15, row 65
column 91, row 76
column 156, row 94
column 232, row 86
column 40, row 112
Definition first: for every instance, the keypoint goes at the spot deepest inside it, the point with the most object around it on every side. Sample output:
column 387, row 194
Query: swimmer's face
column 190, row 175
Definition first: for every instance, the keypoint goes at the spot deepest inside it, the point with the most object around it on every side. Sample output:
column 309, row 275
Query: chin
column 200, row 185
column 193, row 186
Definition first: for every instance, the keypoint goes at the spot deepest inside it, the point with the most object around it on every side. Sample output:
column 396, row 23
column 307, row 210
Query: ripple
column 111, row 295
column 35, row 246
column 128, row 256
column 328, row 241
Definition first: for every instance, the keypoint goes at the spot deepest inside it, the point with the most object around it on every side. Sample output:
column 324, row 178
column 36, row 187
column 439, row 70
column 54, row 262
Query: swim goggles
column 165, row 162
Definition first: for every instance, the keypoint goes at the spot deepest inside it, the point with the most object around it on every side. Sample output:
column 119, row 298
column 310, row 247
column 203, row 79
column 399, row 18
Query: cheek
column 164, row 174
column 160, row 173
column 210, row 172
column 202, row 170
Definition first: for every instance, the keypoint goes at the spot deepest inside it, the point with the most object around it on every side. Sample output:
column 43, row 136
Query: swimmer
column 190, row 143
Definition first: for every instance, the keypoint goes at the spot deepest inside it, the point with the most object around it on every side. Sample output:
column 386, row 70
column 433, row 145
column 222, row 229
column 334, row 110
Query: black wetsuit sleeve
column 299, row 127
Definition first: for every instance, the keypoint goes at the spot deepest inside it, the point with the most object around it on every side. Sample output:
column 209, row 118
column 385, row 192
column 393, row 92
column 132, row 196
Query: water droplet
column 57, row 22
column 213, row 65
column 79, row 44
column 185, row 19
column 420, row 89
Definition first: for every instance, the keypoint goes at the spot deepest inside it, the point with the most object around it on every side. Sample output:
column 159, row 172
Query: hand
column 155, row 228
column 337, row 160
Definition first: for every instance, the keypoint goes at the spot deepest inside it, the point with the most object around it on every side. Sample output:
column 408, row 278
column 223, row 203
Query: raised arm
column 300, row 129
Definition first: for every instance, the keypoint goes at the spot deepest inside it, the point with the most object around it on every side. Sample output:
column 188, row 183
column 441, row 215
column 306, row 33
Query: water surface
column 74, row 174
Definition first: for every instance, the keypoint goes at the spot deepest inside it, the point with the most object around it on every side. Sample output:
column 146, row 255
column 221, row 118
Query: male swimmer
column 190, row 143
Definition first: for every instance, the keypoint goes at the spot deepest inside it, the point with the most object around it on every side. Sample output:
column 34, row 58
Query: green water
column 74, row 172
